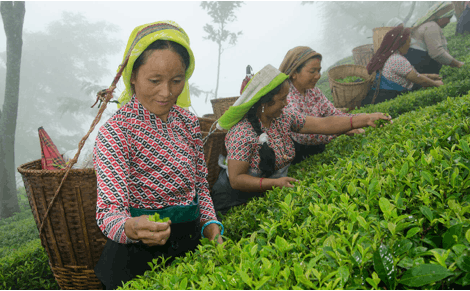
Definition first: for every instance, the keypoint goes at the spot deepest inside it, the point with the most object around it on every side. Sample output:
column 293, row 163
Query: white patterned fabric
column 396, row 68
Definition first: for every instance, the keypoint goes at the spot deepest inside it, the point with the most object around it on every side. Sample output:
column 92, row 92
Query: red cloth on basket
column 51, row 159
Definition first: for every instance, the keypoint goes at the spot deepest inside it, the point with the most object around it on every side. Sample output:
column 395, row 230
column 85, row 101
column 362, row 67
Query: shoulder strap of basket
column 377, row 87
column 105, row 96
column 211, row 130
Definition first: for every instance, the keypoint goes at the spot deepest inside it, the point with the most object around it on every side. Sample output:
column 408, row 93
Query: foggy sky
column 269, row 28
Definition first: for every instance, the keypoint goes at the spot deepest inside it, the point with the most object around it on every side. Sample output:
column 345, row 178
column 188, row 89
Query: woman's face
column 279, row 101
column 159, row 82
column 308, row 77
column 404, row 48
column 443, row 22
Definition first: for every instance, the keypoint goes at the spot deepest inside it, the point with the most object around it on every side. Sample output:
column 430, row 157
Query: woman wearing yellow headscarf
column 428, row 50
column 149, row 160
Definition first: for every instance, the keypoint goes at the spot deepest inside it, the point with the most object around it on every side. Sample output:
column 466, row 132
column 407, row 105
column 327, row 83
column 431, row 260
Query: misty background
column 71, row 50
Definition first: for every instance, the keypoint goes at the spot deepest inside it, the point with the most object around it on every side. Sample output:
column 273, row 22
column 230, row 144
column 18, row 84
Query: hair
column 161, row 45
column 267, row 157
column 299, row 68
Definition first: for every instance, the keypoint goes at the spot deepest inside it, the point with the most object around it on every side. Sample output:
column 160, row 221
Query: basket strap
column 211, row 130
column 105, row 96
column 377, row 88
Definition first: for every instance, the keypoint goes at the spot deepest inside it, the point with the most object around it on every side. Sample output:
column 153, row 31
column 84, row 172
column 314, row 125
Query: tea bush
column 24, row 263
column 27, row 268
column 393, row 215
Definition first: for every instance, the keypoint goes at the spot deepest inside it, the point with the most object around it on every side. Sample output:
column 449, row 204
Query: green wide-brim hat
column 437, row 11
column 141, row 37
column 262, row 83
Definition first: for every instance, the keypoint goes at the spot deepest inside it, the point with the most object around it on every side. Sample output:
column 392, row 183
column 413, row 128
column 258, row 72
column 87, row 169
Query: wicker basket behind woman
column 220, row 105
column 348, row 95
column 71, row 237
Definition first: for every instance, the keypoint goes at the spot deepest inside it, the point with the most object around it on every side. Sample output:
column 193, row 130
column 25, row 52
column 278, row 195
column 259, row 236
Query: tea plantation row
column 393, row 212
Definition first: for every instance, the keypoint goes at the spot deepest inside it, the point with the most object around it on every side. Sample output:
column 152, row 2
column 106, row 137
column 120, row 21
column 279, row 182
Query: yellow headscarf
column 141, row 37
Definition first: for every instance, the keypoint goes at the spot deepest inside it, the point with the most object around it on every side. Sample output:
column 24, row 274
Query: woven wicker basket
column 215, row 146
column 220, row 105
column 362, row 54
column 348, row 95
column 209, row 115
column 71, row 237
column 378, row 35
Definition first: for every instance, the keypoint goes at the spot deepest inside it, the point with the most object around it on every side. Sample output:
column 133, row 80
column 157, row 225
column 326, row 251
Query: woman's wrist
column 211, row 228
column 130, row 227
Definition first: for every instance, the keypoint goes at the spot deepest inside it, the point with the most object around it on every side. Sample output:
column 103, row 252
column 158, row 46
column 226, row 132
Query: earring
column 262, row 109
column 171, row 94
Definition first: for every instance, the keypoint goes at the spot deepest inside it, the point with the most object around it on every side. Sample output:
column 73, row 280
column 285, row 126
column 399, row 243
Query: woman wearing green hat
column 428, row 50
column 259, row 147
column 149, row 160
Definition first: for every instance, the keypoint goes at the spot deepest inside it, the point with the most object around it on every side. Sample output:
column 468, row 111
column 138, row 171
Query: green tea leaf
column 465, row 280
column 363, row 222
column 406, row 263
column 463, row 262
column 424, row 274
column 467, row 235
column 403, row 171
column 464, row 146
column 288, row 199
column 384, row 205
column 426, row 212
column 183, row 283
column 412, row 232
column 281, row 244
column 451, row 236
column 343, row 273
column 383, row 265
column 427, row 176
column 402, row 247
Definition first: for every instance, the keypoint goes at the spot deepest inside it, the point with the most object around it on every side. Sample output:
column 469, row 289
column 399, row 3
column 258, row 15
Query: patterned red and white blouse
column 396, row 68
column 144, row 163
column 315, row 104
column 243, row 144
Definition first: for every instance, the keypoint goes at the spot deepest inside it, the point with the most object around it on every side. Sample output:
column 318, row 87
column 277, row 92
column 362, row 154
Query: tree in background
column 61, row 67
column 13, row 19
column 222, row 13
column 349, row 24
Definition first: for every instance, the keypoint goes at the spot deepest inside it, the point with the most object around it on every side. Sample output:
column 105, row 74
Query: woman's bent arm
column 240, row 180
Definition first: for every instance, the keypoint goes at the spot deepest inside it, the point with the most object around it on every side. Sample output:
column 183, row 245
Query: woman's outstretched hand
column 355, row 131
column 377, row 116
column 284, row 182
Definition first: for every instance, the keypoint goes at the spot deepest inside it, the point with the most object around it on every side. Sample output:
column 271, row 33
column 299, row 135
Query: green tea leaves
column 383, row 265
column 426, row 212
column 424, row 274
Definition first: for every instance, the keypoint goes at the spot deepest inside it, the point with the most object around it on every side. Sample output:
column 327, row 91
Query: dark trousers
column 123, row 262
column 304, row 151
column 225, row 197
column 383, row 95
column 422, row 62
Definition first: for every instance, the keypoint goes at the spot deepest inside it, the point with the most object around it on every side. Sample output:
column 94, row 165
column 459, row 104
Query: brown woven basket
column 348, row 95
column 378, row 35
column 209, row 115
column 362, row 54
column 70, row 236
column 215, row 146
column 220, row 105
